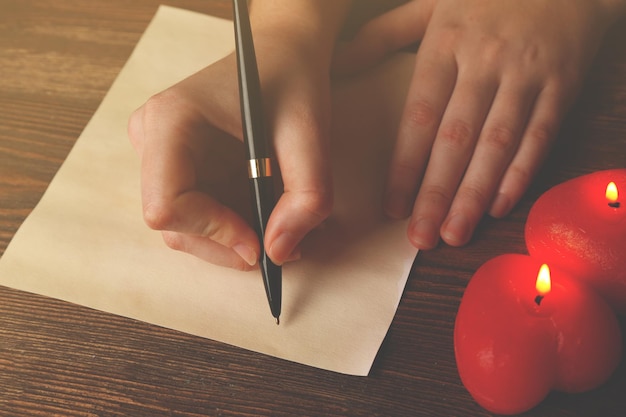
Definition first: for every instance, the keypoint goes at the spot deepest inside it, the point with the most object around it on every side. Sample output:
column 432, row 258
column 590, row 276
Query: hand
column 492, row 82
column 185, row 137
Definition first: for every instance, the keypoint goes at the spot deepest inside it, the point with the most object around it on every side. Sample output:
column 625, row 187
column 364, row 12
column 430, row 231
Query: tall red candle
column 515, row 341
column 580, row 226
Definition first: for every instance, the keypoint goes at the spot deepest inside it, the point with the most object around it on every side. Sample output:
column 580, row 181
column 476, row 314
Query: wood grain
column 57, row 60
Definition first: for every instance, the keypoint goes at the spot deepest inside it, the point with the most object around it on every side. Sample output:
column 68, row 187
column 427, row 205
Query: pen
column 258, row 150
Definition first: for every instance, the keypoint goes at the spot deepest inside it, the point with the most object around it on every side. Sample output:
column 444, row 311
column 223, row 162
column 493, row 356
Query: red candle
column 580, row 226
column 520, row 334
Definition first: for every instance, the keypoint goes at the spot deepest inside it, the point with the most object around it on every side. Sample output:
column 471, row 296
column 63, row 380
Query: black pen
column 258, row 149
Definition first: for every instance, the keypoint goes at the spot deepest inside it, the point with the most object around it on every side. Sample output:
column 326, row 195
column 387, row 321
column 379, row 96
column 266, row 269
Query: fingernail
column 501, row 206
column 397, row 205
column 456, row 230
column 282, row 247
column 246, row 253
column 424, row 234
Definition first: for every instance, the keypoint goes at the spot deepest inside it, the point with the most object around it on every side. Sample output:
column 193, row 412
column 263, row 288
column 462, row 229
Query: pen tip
column 277, row 321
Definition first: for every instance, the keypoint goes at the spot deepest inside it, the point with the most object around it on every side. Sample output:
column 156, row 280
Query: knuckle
column 218, row 228
column 456, row 135
column 473, row 196
column 542, row 134
column 214, row 231
column 500, row 137
column 449, row 36
column 163, row 103
column 406, row 160
column 157, row 104
column 436, row 194
column 493, row 51
column 420, row 113
column 404, row 169
column 530, row 55
column 167, row 97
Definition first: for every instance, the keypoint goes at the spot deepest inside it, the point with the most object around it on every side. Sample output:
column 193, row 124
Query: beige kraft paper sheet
column 86, row 241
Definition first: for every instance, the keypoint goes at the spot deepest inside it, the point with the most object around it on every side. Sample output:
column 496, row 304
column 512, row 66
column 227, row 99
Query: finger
column 382, row 35
column 431, row 86
column 536, row 142
column 207, row 250
column 498, row 142
column 451, row 153
column 171, row 194
column 301, row 143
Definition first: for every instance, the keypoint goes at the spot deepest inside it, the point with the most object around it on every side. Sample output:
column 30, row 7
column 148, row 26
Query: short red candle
column 576, row 227
column 513, row 347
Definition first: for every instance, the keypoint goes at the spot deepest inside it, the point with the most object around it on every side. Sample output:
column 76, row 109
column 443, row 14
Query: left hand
column 492, row 82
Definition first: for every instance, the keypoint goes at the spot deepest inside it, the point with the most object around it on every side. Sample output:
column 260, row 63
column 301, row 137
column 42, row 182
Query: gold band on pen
column 258, row 168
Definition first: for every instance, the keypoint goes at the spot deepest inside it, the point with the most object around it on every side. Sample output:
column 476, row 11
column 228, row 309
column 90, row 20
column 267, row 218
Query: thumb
column 304, row 160
column 387, row 33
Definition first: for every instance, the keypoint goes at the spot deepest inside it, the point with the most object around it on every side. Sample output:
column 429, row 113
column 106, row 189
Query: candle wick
column 614, row 204
column 538, row 299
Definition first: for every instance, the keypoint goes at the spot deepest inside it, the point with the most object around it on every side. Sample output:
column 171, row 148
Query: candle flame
column 543, row 283
column 611, row 192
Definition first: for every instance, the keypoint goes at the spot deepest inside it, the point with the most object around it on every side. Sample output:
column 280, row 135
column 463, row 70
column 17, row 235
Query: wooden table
column 57, row 60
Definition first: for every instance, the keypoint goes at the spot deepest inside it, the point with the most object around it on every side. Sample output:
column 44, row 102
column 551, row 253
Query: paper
column 86, row 241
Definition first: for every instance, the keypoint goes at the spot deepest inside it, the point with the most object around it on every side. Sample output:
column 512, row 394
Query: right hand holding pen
column 177, row 134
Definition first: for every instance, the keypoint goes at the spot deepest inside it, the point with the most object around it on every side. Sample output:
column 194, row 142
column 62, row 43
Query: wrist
column 313, row 25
